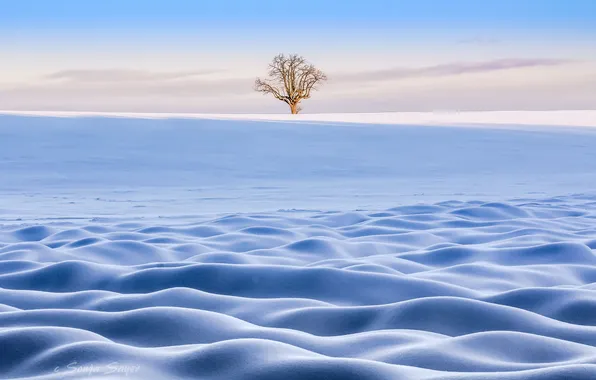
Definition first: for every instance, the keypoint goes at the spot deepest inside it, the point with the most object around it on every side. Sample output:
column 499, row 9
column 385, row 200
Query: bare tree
column 291, row 79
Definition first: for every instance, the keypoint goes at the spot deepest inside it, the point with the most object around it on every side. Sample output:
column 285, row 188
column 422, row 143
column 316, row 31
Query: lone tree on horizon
column 291, row 79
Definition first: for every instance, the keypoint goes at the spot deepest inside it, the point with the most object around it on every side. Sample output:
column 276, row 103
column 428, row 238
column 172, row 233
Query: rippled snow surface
column 454, row 290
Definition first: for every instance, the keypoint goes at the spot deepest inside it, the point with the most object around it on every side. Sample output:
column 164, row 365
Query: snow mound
column 444, row 291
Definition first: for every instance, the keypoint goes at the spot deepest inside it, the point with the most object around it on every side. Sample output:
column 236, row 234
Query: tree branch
column 291, row 79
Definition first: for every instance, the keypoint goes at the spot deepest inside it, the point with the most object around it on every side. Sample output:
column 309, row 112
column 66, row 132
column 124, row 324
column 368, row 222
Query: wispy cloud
column 122, row 83
column 122, row 75
column 208, row 81
column 122, row 89
column 448, row 69
column 363, row 91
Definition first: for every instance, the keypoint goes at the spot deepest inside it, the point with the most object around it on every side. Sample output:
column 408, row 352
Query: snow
column 576, row 118
column 191, row 248
column 75, row 167
column 476, row 119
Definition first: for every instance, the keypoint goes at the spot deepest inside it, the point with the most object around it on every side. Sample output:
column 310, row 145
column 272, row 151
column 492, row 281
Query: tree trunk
column 294, row 108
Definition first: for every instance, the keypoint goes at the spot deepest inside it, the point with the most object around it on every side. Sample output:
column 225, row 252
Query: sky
column 379, row 55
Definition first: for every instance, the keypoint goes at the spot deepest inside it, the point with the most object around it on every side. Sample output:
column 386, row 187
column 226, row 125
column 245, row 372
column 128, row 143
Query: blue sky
column 195, row 14
column 121, row 54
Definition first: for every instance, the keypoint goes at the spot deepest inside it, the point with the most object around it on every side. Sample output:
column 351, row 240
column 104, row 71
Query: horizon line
column 549, row 118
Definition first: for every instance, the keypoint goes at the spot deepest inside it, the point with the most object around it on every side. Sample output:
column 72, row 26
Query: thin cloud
column 121, row 75
column 200, row 91
column 121, row 83
column 449, row 69
column 135, row 88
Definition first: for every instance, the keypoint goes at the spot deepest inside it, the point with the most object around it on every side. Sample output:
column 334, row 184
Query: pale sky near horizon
column 380, row 55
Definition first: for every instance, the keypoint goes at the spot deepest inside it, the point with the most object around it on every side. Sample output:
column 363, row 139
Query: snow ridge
column 452, row 291
column 570, row 118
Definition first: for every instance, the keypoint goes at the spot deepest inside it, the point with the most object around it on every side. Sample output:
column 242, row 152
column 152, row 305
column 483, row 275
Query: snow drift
column 120, row 256
column 457, row 290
